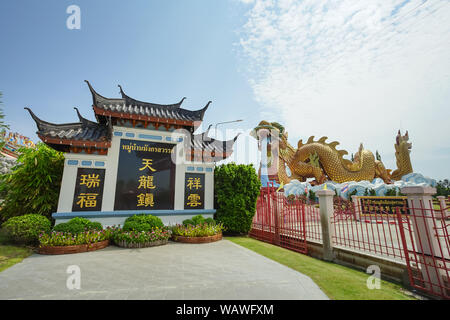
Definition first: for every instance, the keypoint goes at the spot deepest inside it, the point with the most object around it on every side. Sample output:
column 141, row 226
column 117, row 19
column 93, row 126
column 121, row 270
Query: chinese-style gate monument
column 138, row 157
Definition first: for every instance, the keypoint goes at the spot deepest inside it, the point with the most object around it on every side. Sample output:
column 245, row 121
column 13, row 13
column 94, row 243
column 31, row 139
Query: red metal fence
column 312, row 221
column 417, row 236
column 376, row 232
column 428, row 254
column 280, row 221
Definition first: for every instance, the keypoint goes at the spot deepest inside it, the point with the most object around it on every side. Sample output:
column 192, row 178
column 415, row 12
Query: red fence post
column 276, row 215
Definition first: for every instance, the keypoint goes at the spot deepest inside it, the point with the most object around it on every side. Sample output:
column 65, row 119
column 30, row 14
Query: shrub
column 312, row 195
column 199, row 219
column 34, row 183
column 188, row 222
column 136, row 226
column 77, row 225
column 200, row 230
column 142, row 236
column 26, row 229
column 236, row 191
column 391, row 192
column 142, row 222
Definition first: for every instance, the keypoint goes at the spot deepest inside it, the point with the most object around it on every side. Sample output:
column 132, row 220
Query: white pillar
column 444, row 210
column 420, row 205
column 326, row 212
column 357, row 206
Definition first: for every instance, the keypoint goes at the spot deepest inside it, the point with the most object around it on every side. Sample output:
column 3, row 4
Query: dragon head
column 401, row 142
column 273, row 130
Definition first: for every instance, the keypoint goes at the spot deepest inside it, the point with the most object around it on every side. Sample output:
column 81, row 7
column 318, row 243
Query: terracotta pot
column 208, row 239
column 125, row 244
column 73, row 249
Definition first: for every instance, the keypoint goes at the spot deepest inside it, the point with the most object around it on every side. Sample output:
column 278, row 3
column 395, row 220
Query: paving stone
column 219, row 270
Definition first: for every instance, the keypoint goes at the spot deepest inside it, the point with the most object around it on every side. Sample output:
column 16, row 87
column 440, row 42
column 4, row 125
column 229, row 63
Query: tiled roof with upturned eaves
column 127, row 105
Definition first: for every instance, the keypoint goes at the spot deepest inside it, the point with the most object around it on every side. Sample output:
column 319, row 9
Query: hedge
column 236, row 190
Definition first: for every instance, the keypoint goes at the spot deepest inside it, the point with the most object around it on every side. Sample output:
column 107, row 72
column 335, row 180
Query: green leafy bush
column 199, row 219
column 142, row 222
column 33, row 185
column 312, row 195
column 391, row 192
column 200, row 230
column 77, row 225
column 188, row 222
column 236, row 191
column 26, row 229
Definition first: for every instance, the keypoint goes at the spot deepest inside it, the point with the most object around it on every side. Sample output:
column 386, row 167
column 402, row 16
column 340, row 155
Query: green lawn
column 338, row 282
column 11, row 254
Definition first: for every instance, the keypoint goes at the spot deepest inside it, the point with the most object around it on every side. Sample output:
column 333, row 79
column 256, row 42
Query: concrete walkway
column 219, row 270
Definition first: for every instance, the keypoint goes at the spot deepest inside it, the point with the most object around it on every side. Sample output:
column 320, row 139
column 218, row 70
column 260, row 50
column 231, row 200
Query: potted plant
column 66, row 242
column 141, row 239
column 197, row 230
column 141, row 231
column 77, row 235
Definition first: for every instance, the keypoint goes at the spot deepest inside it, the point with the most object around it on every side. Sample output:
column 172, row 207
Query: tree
column 312, row 196
column 34, row 183
column 236, row 190
column 443, row 188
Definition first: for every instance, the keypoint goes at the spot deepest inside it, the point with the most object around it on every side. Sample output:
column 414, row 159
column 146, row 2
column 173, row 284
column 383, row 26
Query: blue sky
column 355, row 71
column 159, row 51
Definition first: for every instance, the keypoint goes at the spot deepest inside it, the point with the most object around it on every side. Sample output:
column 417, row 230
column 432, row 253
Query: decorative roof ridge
column 96, row 96
column 199, row 112
column 143, row 103
column 210, row 140
column 40, row 122
column 84, row 121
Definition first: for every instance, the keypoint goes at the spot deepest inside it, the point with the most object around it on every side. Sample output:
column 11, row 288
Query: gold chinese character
column 145, row 199
column 90, row 180
column 194, row 200
column 147, row 164
column 146, row 182
column 87, row 200
column 194, row 183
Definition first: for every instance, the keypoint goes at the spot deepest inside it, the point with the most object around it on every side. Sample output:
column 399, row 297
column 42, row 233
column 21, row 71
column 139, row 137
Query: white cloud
column 355, row 71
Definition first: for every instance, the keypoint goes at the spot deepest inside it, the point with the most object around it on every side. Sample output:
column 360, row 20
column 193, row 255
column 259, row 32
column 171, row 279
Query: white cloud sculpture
column 296, row 187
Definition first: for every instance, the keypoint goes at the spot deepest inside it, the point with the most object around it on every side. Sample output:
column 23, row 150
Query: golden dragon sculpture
column 322, row 161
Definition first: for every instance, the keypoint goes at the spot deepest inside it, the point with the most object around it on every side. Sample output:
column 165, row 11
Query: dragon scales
column 322, row 161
